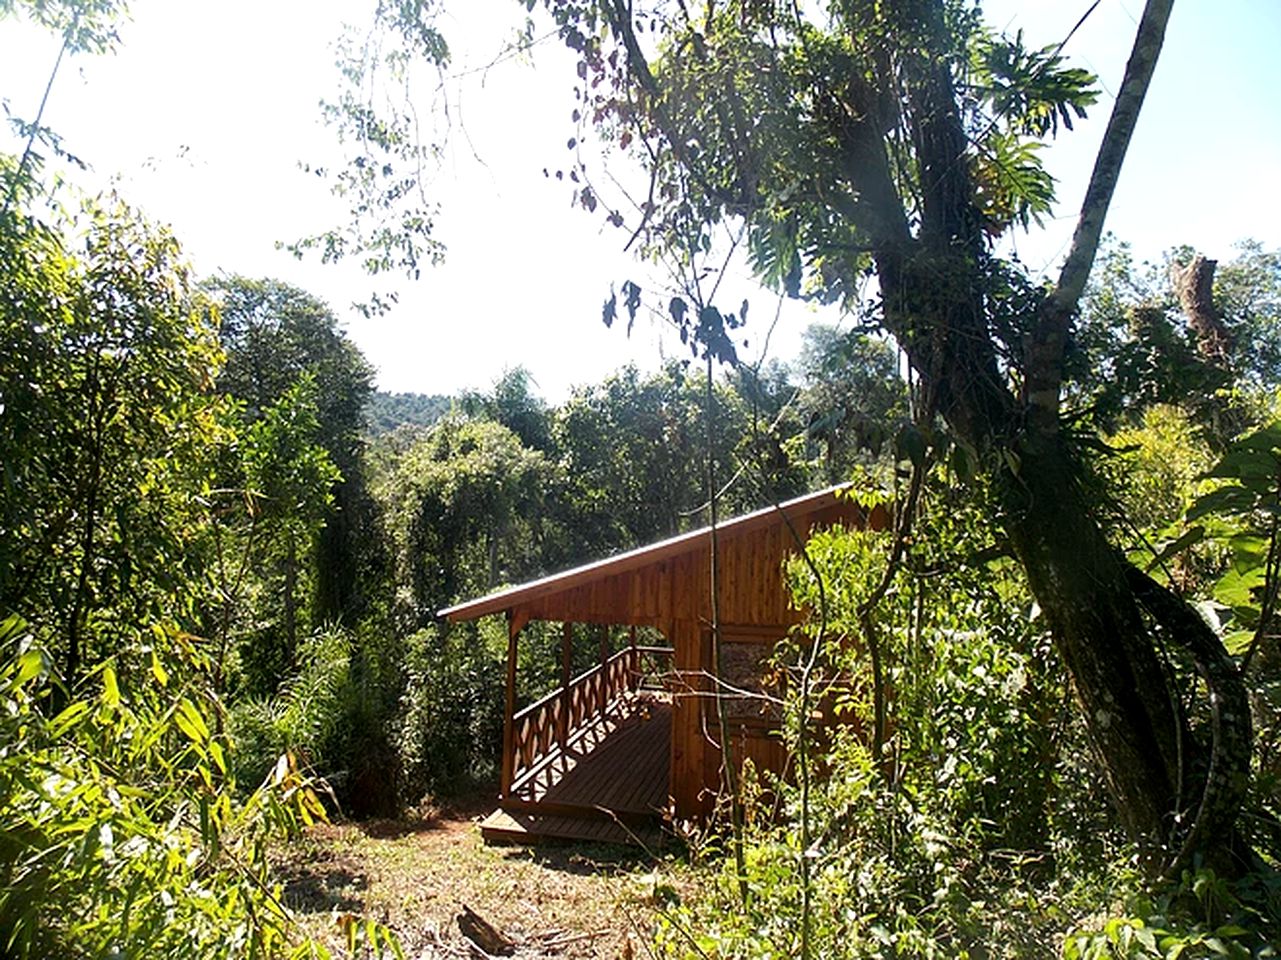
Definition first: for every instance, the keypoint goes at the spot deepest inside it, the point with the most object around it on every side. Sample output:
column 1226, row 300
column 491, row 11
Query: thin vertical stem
column 803, row 750
column 35, row 127
column 728, row 770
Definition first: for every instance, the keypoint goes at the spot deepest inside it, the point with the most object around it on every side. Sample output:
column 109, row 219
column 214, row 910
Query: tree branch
column 1044, row 348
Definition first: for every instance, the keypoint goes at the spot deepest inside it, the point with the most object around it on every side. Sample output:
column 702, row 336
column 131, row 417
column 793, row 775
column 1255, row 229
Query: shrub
column 120, row 834
column 451, row 715
column 1200, row 916
column 302, row 716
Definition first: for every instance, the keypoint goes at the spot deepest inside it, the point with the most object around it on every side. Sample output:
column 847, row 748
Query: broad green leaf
column 1249, row 546
column 1231, row 499
column 910, row 444
column 1237, row 641
column 1263, row 485
column 1147, row 938
column 1234, row 587
column 1242, row 464
column 964, row 462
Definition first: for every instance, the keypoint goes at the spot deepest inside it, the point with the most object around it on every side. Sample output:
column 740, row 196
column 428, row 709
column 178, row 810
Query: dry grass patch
column 415, row 877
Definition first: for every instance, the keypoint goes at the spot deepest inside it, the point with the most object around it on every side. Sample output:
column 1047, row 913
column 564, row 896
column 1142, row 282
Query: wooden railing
column 652, row 669
column 546, row 725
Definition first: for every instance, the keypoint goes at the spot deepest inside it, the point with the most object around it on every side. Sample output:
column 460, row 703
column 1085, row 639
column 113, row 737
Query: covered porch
column 617, row 748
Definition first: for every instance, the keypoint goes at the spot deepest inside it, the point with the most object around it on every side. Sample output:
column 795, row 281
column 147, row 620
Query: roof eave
column 511, row 597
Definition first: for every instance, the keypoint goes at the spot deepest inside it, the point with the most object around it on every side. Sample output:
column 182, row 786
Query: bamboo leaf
column 110, row 689
column 1193, row 535
column 30, row 664
column 158, row 671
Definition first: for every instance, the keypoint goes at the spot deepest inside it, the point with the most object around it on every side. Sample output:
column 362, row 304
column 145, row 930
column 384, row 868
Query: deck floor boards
column 624, row 770
column 619, row 766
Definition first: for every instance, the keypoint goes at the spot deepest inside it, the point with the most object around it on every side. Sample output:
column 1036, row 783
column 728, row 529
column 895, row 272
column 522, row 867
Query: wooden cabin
column 636, row 737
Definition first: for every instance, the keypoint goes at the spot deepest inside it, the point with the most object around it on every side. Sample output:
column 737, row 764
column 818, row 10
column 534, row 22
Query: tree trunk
column 1176, row 793
column 1079, row 582
column 1194, row 285
column 1175, row 796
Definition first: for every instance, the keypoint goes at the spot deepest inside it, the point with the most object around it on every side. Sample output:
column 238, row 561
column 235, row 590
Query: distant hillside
column 387, row 411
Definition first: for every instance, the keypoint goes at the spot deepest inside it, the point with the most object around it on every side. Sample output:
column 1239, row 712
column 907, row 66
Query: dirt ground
column 565, row 901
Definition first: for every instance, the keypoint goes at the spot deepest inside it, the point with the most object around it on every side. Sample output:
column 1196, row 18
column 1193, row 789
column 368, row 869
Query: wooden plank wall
column 687, row 778
column 696, row 733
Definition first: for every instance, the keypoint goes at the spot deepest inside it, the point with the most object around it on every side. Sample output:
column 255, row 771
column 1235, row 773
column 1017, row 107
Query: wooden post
column 509, row 731
column 566, row 675
column 604, row 666
column 634, row 660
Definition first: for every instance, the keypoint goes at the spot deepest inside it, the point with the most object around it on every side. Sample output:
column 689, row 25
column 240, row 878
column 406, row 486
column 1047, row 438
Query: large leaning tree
column 854, row 140
column 899, row 140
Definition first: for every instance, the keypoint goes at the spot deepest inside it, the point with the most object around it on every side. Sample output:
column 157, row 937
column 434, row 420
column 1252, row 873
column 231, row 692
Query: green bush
column 120, row 833
column 451, row 715
column 336, row 714
column 300, row 718
column 949, row 842
column 1200, row 917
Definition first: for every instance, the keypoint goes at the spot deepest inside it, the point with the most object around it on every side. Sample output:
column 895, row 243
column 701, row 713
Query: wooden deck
column 611, row 780
column 502, row 826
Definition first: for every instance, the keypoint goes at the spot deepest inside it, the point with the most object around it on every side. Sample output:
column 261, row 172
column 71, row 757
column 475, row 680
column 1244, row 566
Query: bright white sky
column 206, row 111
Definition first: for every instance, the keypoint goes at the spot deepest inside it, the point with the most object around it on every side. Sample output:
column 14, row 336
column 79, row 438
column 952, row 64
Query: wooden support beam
column 514, row 623
column 566, row 675
column 604, row 666
column 633, row 662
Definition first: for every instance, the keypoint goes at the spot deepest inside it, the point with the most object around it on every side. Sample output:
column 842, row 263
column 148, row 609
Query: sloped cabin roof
column 668, row 581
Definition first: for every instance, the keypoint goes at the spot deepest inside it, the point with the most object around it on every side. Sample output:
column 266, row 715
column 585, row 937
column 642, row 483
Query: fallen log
column 486, row 937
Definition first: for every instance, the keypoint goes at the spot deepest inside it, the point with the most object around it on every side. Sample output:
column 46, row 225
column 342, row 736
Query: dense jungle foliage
column 221, row 563
column 177, row 625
